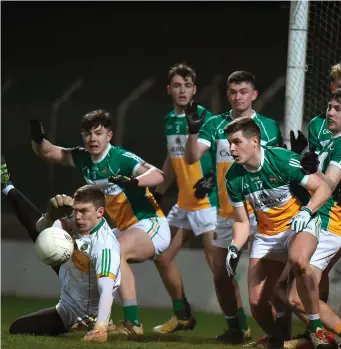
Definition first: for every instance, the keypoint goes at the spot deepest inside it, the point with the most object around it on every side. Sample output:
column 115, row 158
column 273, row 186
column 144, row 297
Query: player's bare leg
column 283, row 310
column 136, row 246
column 228, row 295
column 208, row 248
column 263, row 275
column 329, row 318
column 324, row 283
column 171, row 277
column 301, row 248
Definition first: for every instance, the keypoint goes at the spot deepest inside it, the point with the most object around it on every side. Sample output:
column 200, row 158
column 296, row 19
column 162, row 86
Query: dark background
column 113, row 47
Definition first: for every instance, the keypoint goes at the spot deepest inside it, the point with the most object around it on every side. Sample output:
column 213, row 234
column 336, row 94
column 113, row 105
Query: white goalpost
column 314, row 46
column 296, row 67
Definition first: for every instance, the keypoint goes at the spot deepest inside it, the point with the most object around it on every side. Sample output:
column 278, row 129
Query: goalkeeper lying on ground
column 87, row 286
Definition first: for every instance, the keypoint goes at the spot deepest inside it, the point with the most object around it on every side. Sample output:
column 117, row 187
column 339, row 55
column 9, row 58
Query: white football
column 54, row 246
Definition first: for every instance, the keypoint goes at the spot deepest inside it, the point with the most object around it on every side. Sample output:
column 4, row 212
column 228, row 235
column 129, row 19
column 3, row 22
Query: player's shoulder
column 125, row 154
column 201, row 109
column 114, row 150
column 168, row 118
column 171, row 114
column 217, row 120
column 318, row 119
column 235, row 172
column 280, row 157
column 266, row 120
column 103, row 237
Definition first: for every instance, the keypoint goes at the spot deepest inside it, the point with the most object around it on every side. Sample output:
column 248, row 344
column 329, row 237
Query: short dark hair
column 182, row 69
column 337, row 96
column 96, row 118
column 90, row 193
column 240, row 76
column 245, row 124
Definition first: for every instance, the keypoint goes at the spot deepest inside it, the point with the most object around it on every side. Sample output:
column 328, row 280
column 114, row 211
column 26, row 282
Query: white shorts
column 199, row 221
column 223, row 233
column 329, row 244
column 275, row 247
column 157, row 229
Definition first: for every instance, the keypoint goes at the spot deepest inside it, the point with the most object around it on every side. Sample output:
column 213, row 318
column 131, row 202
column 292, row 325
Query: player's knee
column 299, row 264
column 16, row 327
column 220, row 275
column 161, row 262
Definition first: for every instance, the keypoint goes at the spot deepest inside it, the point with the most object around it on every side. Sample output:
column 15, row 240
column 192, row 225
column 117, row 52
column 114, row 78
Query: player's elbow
column 157, row 177
column 190, row 159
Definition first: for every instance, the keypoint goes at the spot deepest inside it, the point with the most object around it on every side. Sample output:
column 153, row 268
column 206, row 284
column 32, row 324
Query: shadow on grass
column 173, row 338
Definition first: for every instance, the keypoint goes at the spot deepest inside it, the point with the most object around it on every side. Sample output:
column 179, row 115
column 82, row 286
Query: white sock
column 7, row 189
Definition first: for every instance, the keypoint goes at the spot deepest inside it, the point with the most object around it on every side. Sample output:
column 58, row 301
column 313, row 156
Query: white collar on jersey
column 261, row 162
column 179, row 115
column 252, row 116
column 103, row 155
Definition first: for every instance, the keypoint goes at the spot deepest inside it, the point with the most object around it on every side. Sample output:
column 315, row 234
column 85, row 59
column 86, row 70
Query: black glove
column 204, row 185
column 124, row 181
column 337, row 194
column 298, row 144
column 310, row 161
column 194, row 120
column 158, row 197
column 37, row 131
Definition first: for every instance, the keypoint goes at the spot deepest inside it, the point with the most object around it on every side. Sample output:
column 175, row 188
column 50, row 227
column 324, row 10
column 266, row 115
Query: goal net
column 323, row 51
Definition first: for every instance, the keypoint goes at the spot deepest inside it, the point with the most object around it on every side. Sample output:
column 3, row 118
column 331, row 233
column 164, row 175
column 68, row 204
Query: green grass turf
column 208, row 326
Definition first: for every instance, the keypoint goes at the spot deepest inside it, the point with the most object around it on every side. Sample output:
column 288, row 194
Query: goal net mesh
column 323, row 51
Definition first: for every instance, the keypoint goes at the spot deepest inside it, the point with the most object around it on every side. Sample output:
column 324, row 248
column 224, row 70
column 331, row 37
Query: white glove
column 59, row 206
column 231, row 254
column 301, row 220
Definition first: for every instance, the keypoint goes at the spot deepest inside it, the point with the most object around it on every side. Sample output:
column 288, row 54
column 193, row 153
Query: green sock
column 181, row 309
column 233, row 323
column 242, row 319
column 131, row 314
column 314, row 324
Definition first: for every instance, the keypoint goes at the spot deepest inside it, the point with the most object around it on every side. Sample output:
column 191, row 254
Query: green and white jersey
column 176, row 132
column 267, row 188
column 212, row 135
column 330, row 212
column 318, row 133
column 96, row 255
column 124, row 206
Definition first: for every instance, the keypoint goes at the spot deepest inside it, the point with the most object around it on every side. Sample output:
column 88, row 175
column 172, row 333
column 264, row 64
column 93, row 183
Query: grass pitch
column 208, row 326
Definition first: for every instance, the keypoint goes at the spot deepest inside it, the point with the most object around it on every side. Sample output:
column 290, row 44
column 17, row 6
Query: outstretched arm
column 45, row 149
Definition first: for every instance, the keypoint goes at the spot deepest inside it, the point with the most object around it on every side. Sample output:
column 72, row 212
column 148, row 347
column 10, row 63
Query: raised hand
column 194, row 120
column 59, row 206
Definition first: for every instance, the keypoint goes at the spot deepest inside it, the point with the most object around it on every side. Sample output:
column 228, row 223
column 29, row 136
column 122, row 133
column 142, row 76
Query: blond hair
column 335, row 72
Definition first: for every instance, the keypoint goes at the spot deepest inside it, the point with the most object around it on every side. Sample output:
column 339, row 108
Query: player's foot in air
column 175, row 324
column 232, row 336
column 322, row 339
column 5, row 178
column 127, row 328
